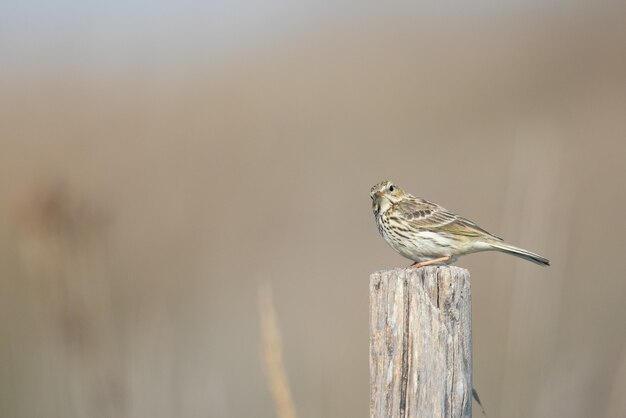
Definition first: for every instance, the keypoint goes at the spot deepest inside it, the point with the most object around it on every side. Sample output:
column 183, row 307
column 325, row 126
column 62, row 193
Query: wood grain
column 421, row 343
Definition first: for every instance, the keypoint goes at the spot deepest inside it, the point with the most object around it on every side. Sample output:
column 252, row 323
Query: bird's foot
column 417, row 265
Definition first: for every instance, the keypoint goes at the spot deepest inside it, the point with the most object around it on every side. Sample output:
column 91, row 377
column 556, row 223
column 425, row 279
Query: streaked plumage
column 426, row 233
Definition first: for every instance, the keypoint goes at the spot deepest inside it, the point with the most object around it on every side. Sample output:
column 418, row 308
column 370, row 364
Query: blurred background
column 161, row 160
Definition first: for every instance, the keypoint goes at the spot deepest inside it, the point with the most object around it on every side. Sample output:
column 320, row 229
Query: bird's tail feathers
column 520, row 252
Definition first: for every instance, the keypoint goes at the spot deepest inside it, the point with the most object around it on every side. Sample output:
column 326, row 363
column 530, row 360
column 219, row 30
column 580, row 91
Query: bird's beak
column 378, row 194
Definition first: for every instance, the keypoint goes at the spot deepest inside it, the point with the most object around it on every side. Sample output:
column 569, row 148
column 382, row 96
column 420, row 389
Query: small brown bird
column 426, row 233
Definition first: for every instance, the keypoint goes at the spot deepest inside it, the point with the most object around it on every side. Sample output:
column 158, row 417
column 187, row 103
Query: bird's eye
column 392, row 188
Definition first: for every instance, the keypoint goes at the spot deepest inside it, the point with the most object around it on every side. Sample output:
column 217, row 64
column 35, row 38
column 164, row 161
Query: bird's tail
column 519, row 252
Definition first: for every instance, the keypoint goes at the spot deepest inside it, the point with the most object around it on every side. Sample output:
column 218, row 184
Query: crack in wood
column 404, row 381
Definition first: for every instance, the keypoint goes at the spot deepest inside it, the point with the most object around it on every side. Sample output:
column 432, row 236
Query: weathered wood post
column 421, row 343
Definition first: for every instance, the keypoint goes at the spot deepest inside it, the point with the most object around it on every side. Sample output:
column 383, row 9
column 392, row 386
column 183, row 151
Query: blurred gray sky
column 169, row 39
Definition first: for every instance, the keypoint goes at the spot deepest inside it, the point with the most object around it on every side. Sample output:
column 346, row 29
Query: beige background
column 145, row 196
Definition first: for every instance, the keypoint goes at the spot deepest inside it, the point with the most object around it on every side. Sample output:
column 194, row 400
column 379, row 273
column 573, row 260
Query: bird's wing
column 425, row 215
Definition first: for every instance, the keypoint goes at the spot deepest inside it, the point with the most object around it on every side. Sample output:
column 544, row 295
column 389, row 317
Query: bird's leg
column 430, row 262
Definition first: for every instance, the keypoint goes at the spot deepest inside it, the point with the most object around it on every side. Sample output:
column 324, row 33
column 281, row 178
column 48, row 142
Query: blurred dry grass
column 137, row 218
column 277, row 380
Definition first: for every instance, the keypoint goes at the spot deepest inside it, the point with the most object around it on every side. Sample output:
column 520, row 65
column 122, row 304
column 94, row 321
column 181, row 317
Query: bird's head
column 385, row 194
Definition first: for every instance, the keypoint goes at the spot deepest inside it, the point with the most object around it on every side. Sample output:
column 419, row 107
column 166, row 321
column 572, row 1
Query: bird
column 429, row 234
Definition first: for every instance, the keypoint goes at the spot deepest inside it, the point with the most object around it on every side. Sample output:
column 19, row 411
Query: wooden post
column 421, row 343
